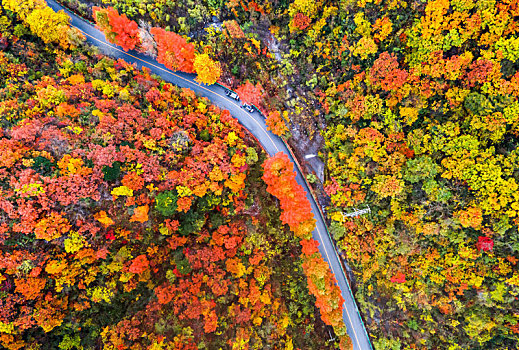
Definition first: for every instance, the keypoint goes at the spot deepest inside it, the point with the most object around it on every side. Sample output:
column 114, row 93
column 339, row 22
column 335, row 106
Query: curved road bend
column 255, row 123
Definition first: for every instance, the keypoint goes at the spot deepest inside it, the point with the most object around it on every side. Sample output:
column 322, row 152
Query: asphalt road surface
column 255, row 123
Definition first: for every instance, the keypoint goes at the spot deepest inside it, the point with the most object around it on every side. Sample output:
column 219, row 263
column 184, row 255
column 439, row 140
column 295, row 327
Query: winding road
column 255, row 123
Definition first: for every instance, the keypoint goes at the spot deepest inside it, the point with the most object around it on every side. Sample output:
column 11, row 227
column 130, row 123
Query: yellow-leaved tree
column 50, row 26
column 208, row 71
column 23, row 8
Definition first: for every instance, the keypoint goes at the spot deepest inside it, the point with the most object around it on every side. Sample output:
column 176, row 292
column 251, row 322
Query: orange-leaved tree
column 173, row 50
column 276, row 124
column 250, row 93
column 118, row 29
column 281, row 182
column 323, row 285
column 300, row 21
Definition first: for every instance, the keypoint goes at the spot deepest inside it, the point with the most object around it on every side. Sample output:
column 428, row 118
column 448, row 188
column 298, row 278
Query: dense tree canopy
column 424, row 131
column 132, row 215
column 297, row 213
column 413, row 107
column 208, row 71
column 50, row 26
column 117, row 28
column 174, row 51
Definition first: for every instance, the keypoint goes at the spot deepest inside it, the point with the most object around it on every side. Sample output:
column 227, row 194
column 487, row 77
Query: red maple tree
column 485, row 243
column 281, row 182
column 118, row 29
column 173, row 50
column 251, row 94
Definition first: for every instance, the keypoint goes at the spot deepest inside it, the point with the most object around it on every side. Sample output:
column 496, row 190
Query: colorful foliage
column 276, row 124
column 416, row 101
column 131, row 216
column 50, row 26
column 208, row 71
column 427, row 139
column 174, row 51
column 280, row 177
column 251, row 94
column 118, row 28
column 281, row 183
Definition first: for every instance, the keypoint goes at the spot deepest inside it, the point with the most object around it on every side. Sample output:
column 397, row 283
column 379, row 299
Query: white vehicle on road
column 232, row 94
column 248, row 108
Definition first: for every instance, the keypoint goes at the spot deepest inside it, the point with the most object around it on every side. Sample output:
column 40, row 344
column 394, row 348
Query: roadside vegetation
column 413, row 107
column 133, row 214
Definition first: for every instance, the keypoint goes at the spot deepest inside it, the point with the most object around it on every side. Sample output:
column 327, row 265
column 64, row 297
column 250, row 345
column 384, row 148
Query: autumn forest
column 135, row 214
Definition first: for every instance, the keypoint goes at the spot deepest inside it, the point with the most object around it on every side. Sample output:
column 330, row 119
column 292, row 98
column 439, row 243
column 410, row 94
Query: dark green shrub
column 166, row 203
column 204, row 135
column 43, row 166
column 191, row 222
column 112, row 173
